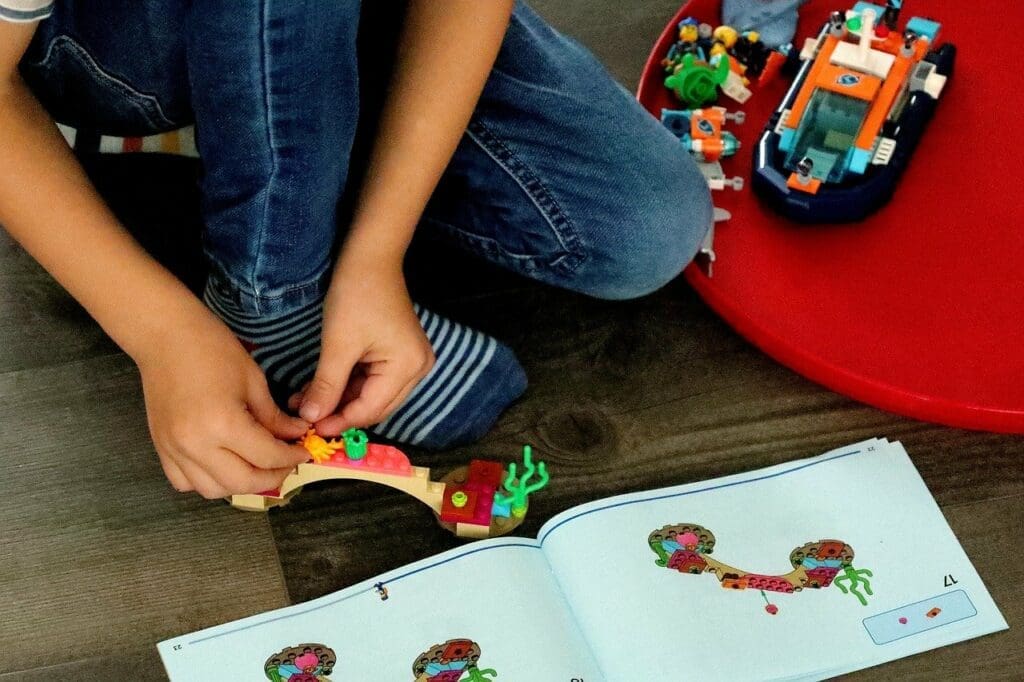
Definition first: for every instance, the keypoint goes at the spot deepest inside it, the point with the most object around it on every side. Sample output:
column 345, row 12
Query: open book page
column 803, row 570
column 485, row 610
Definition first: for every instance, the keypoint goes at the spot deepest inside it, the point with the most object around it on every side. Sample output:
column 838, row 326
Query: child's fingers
column 259, row 448
column 325, row 390
column 175, row 476
column 235, row 475
column 202, row 482
column 370, row 406
column 266, row 412
column 296, row 400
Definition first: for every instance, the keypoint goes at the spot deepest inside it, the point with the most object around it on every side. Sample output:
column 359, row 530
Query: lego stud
column 737, row 117
column 459, row 499
column 835, row 23
column 804, row 169
column 909, row 41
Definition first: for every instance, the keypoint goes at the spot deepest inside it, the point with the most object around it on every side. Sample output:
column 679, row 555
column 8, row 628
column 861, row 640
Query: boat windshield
column 827, row 133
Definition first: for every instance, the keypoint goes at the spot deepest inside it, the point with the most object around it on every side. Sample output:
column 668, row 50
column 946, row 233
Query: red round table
column 919, row 309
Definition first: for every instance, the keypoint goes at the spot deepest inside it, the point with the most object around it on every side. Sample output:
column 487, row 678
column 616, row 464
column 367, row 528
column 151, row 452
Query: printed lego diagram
column 454, row 661
column 686, row 547
column 302, row 663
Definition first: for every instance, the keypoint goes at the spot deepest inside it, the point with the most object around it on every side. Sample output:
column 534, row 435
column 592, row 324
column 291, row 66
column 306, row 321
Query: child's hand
column 211, row 416
column 373, row 352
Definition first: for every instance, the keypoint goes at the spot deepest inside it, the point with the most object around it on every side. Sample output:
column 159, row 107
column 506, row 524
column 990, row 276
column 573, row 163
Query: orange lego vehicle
column 836, row 146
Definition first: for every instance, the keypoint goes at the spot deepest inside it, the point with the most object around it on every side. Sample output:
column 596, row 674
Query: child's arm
column 447, row 51
column 205, row 397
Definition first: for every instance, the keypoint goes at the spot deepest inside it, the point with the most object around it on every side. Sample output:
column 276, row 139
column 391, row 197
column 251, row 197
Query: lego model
column 478, row 501
column 302, row 663
column 454, row 661
column 700, row 132
column 704, row 60
column 844, row 133
column 686, row 548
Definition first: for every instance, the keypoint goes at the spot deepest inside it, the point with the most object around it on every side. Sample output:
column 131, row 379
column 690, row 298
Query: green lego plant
column 356, row 442
column 856, row 578
column 520, row 490
column 478, row 675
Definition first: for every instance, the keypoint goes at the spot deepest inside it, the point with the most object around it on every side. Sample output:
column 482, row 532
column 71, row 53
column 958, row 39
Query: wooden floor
column 99, row 559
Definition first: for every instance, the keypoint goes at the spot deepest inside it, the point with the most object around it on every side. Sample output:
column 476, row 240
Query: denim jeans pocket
column 81, row 93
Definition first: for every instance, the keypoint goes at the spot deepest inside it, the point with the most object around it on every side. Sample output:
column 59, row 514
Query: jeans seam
column 125, row 88
column 491, row 247
column 220, row 272
column 535, row 189
column 269, row 123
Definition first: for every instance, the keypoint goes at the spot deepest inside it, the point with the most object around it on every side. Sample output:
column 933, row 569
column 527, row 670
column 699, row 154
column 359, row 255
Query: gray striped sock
column 286, row 347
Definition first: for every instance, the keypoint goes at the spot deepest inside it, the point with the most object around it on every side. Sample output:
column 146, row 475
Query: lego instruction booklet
column 803, row 570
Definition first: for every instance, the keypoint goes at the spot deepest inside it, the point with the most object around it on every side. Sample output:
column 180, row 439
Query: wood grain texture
column 623, row 397
column 141, row 665
column 99, row 554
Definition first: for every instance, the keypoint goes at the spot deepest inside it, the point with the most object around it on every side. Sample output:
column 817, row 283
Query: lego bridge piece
column 915, row 310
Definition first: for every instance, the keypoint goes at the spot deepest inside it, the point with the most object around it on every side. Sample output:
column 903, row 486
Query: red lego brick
column 491, row 474
column 465, row 514
column 830, row 549
column 457, row 650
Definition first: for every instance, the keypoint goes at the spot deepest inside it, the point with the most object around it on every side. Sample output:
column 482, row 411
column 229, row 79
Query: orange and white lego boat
column 835, row 148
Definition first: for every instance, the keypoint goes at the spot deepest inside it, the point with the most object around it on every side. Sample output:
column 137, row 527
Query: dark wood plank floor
column 100, row 557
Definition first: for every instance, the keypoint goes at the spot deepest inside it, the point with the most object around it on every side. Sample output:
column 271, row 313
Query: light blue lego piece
column 435, row 668
column 858, row 160
column 861, row 6
column 676, row 120
column 787, row 139
column 832, row 563
column 924, row 27
column 811, row 562
column 502, row 510
column 671, row 546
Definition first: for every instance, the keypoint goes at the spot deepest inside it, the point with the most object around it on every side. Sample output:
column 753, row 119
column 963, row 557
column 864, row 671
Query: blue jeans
column 560, row 176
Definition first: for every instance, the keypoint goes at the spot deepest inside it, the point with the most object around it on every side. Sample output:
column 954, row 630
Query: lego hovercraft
column 836, row 146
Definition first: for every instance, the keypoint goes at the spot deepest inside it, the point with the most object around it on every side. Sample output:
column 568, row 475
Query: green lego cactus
column 522, row 489
column 356, row 442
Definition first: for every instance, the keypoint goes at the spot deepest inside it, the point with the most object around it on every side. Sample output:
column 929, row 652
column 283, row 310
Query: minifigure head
column 726, row 35
column 688, row 33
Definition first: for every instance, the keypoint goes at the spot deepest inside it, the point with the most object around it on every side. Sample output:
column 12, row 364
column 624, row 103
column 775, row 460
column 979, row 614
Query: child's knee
column 657, row 234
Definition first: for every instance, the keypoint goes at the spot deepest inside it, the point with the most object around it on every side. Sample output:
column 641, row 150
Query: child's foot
column 473, row 380
column 774, row 20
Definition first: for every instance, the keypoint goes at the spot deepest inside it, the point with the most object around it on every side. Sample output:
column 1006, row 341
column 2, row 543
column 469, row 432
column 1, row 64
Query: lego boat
column 838, row 143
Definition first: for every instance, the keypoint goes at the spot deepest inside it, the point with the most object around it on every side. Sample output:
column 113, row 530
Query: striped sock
column 286, row 347
column 473, row 380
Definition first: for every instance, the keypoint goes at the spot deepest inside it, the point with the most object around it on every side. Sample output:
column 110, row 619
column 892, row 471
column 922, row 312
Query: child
column 497, row 133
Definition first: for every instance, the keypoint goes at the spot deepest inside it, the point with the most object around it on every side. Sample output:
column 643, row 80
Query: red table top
column 919, row 309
